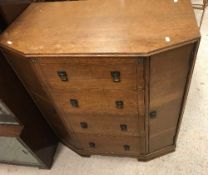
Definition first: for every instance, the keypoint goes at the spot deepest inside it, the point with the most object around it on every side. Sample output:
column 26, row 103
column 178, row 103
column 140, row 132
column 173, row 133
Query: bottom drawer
column 112, row 145
column 13, row 151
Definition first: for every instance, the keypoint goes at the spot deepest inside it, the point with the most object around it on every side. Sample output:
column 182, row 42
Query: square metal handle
column 62, row 75
column 153, row 114
column 119, row 104
column 83, row 125
column 74, row 103
column 124, row 127
column 126, row 147
column 116, row 76
column 92, row 145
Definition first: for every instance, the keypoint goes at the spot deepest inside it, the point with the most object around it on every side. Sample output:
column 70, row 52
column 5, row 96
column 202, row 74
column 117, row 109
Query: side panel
column 27, row 73
column 168, row 77
column 52, row 117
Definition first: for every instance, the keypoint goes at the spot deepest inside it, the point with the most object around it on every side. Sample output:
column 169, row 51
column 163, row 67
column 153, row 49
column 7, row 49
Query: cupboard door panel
column 168, row 76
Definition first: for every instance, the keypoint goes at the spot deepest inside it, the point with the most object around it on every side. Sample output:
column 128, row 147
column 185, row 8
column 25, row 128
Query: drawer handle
column 92, row 145
column 74, row 103
column 62, row 75
column 153, row 114
column 119, row 104
column 116, row 75
column 124, row 127
column 83, row 125
column 126, row 147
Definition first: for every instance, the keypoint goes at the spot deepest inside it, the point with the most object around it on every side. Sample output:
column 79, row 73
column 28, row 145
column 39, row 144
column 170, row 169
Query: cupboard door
column 168, row 76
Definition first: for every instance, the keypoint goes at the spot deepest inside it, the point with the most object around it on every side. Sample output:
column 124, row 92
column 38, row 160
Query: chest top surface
column 101, row 27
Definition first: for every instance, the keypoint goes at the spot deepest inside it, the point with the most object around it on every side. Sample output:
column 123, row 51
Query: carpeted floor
column 191, row 156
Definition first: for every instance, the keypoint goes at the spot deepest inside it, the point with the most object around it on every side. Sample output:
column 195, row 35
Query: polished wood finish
column 115, row 73
column 102, row 27
column 104, row 124
column 129, row 146
column 90, row 73
column 109, row 101
column 167, row 85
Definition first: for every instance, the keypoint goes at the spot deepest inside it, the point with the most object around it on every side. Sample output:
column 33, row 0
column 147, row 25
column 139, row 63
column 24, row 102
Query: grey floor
column 190, row 158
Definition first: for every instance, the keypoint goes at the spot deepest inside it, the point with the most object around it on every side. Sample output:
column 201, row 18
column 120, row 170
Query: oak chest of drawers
column 111, row 77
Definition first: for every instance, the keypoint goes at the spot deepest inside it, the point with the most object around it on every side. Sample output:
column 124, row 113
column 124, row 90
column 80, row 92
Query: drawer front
column 112, row 145
column 104, row 124
column 93, row 101
column 104, row 73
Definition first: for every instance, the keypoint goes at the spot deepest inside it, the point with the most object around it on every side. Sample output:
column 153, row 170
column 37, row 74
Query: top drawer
column 84, row 73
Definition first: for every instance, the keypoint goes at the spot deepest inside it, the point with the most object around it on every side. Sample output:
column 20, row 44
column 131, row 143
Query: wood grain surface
column 104, row 124
column 98, row 101
column 101, row 27
column 169, row 72
column 67, row 53
column 86, row 73
column 112, row 145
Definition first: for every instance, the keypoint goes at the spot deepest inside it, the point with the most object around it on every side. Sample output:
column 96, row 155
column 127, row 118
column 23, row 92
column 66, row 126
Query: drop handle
column 126, row 147
column 74, row 103
column 119, row 104
column 83, row 125
column 116, row 76
column 62, row 75
column 92, row 145
column 153, row 114
column 124, row 127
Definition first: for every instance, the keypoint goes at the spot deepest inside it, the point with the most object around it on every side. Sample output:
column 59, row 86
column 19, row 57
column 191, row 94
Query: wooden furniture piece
column 200, row 5
column 25, row 136
column 110, row 76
